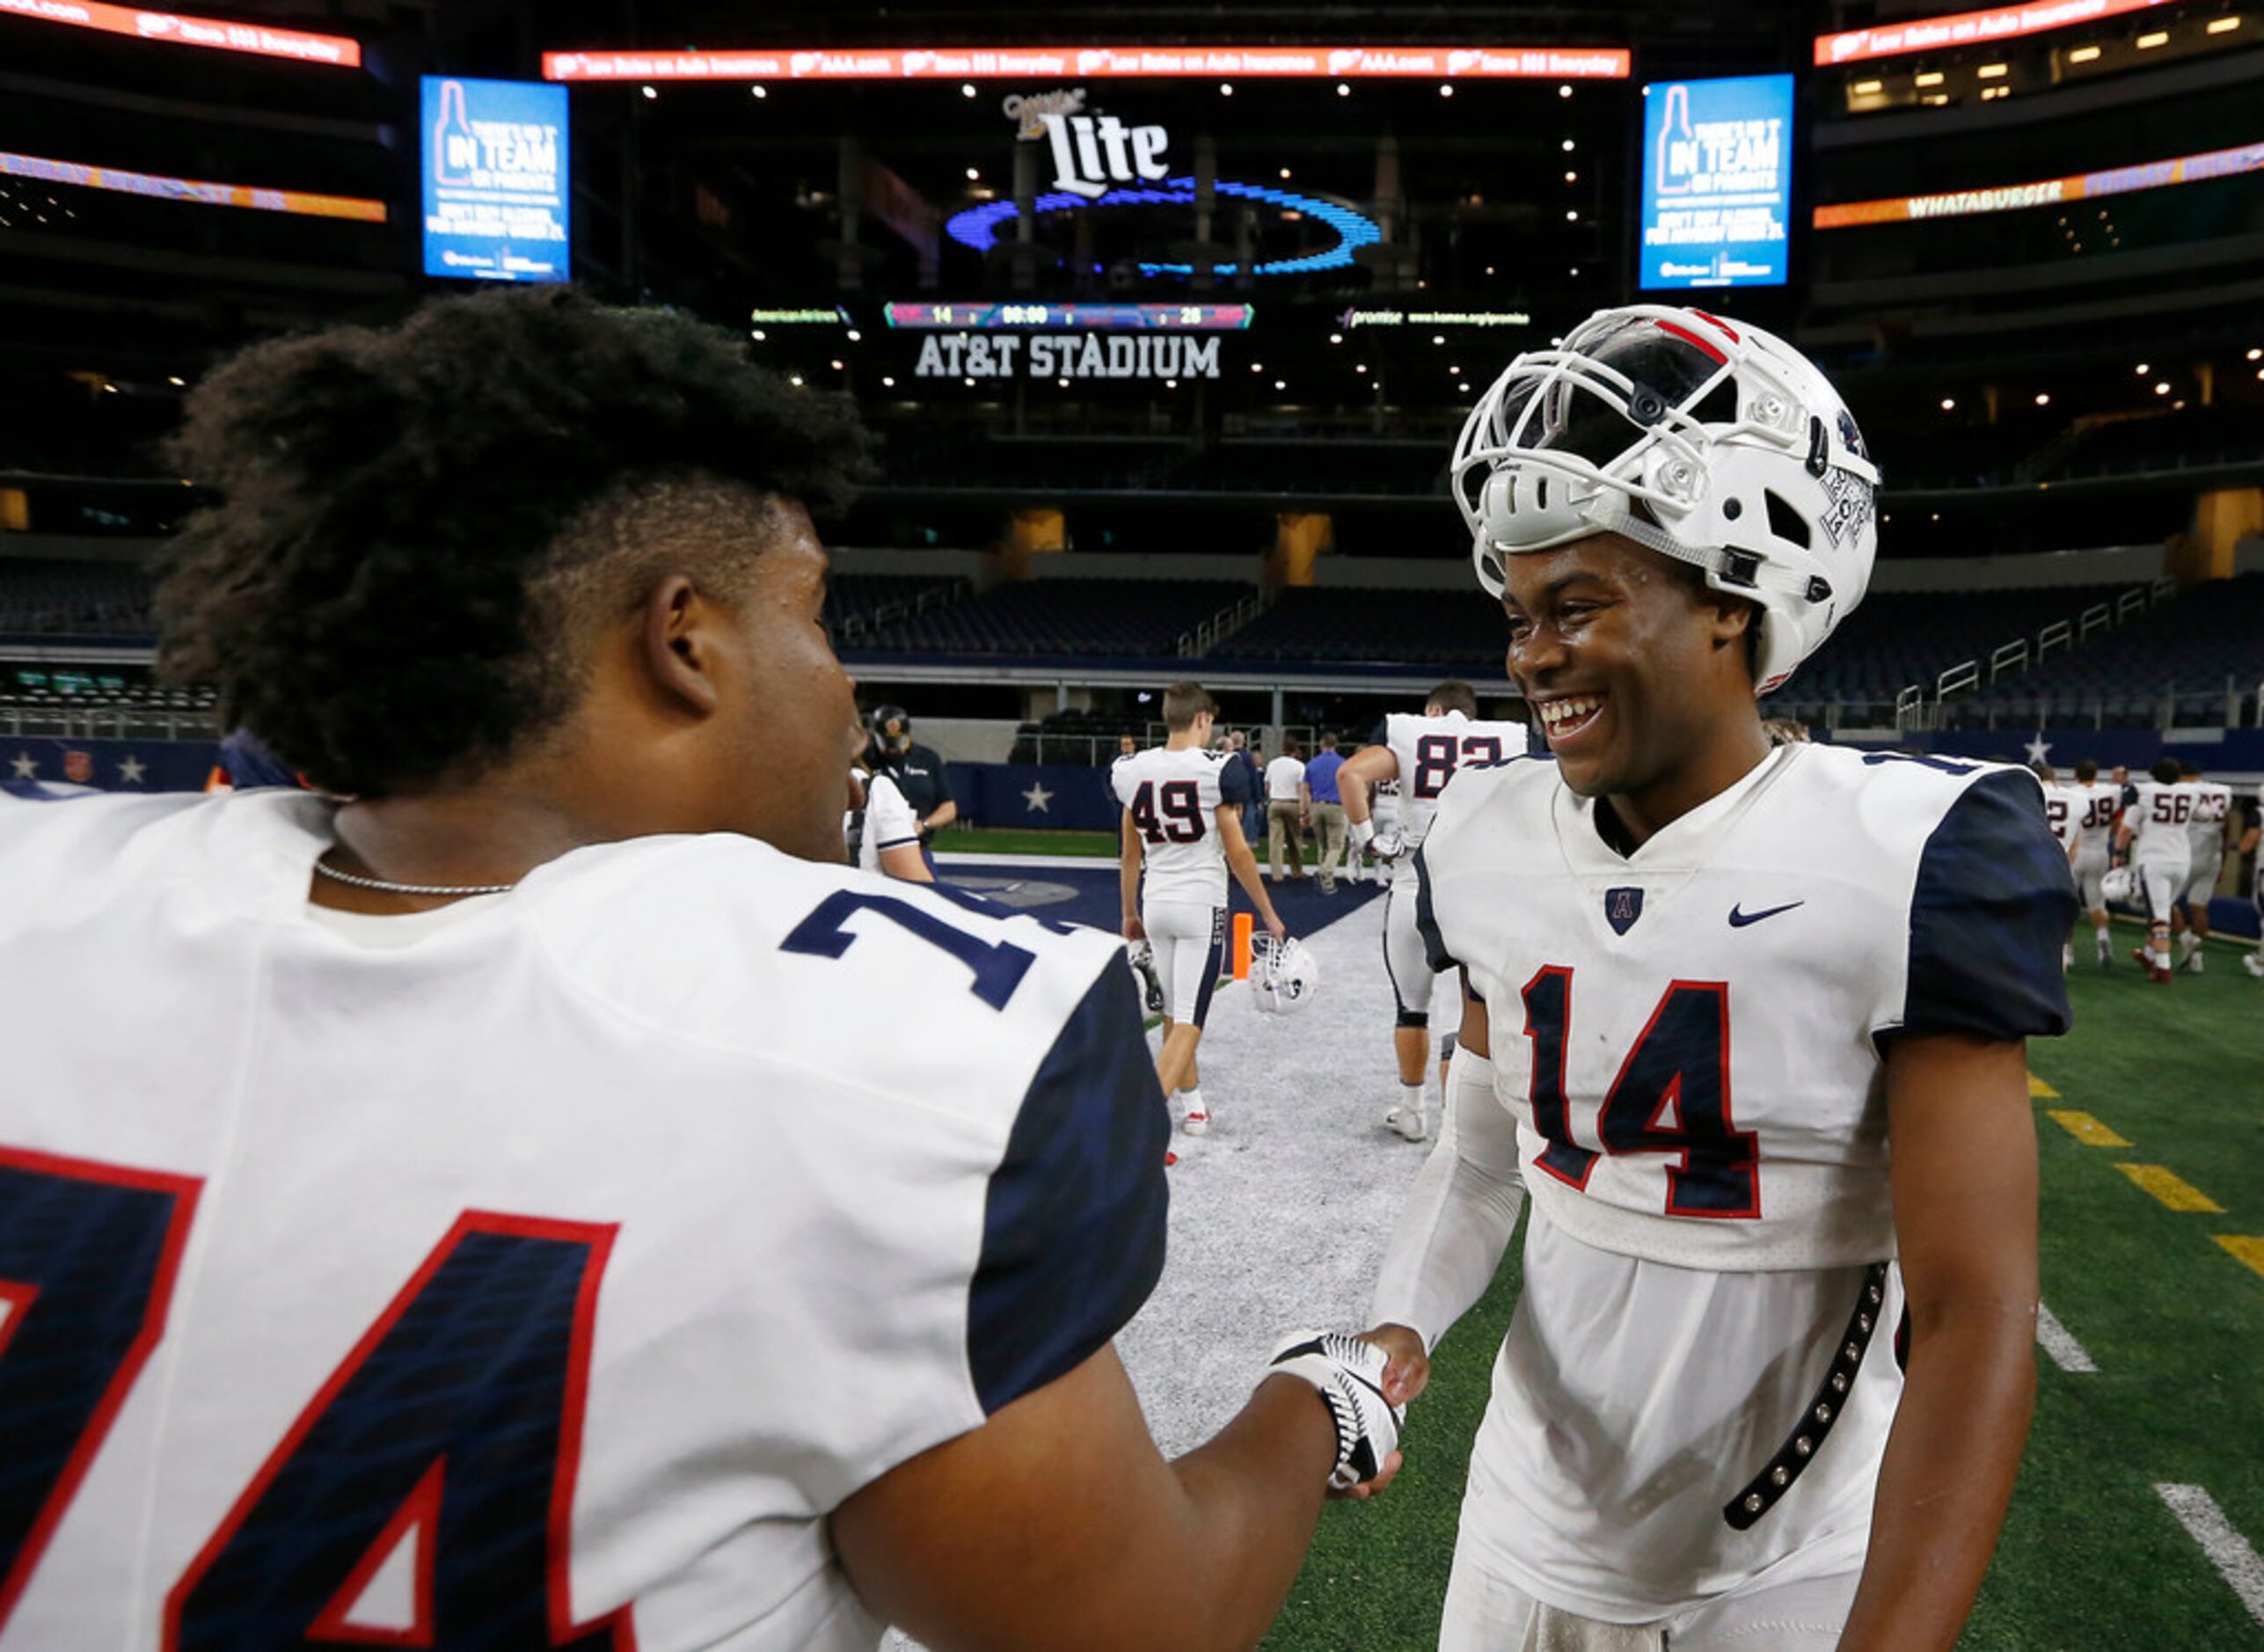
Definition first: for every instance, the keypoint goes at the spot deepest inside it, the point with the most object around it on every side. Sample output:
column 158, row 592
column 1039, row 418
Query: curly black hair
column 375, row 584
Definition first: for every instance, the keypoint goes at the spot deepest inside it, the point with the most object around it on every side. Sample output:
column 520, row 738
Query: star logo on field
column 130, row 771
column 2040, row 749
column 1036, row 798
column 27, row 767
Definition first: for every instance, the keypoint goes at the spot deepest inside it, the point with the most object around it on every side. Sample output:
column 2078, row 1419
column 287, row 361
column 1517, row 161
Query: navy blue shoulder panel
column 1427, row 923
column 1234, row 783
column 1992, row 906
column 1073, row 1233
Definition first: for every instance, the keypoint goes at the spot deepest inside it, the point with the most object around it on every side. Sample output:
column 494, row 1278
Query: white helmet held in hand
column 1708, row 441
column 1282, row 975
column 2119, row 887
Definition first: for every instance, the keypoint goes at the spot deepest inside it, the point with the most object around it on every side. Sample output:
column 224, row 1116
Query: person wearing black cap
column 918, row 770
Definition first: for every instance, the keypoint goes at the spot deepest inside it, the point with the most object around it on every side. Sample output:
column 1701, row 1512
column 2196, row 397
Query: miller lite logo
column 1090, row 154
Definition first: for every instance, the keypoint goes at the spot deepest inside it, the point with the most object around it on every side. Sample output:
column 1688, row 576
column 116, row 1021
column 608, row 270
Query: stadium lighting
column 2083, row 55
column 2161, row 388
column 1574, row 272
column 1993, row 72
column 1061, row 383
column 1931, row 77
column 759, row 90
column 975, row 175
column 2148, row 42
column 1489, row 269
column 1568, row 146
column 1564, row 91
column 1446, row 92
column 1572, row 177
column 1343, row 89
column 1949, row 404
column 2144, row 369
column 1867, row 88
column 1362, row 368
column 760, row 335
column 1573, row 217
column 1463, row 388
column 1226, row 89
column 1280, row 384
column 2223, row 26
column 1285, row 174
column 836, row 365
column 1257, row 367
column 176, row 381
column 855, row 337
column 2255, row 355
column 2043, row 399
column 796, row 379
column 967, row 89
column 1171, row 384
column 1438, row 337
column 1338, row 337
column 888, row 383
column 651, row 91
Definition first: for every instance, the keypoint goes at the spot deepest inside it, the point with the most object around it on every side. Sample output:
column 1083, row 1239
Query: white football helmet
column 1706, row 439
column 1282, row 975
column 2120, row 885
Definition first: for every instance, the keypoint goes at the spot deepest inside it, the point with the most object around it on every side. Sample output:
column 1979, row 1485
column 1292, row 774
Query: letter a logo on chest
column 1621, row 908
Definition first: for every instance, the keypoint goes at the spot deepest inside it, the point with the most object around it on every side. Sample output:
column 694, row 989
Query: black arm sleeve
column 1073, row 1233
column 1992, row 906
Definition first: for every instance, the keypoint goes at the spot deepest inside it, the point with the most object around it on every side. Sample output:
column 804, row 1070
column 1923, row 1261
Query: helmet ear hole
column 1785, row 523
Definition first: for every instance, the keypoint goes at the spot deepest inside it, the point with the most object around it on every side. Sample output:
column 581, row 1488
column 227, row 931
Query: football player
column 2062, row 812
column 2252, row 829
column 888, row 834
column 2152, row 833
column 2094, row 804
column 502, row 1228
column 1749, row 1024
column 2205, row 837
column 1419, row 754
column 1181, row 833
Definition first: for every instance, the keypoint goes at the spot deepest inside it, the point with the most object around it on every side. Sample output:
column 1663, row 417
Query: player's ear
column 682, row 640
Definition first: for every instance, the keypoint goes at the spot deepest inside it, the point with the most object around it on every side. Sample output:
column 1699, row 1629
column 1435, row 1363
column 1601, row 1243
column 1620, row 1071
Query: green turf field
column 2091, row 1557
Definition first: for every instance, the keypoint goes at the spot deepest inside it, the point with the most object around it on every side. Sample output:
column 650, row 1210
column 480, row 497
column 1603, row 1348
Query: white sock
column 1191, row 1101
column 1411, row 1097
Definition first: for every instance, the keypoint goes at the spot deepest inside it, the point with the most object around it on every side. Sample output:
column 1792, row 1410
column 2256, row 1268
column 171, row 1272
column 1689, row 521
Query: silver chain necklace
column 383, row 887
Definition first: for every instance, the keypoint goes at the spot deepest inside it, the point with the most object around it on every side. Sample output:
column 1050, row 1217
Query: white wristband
column 1361, row 832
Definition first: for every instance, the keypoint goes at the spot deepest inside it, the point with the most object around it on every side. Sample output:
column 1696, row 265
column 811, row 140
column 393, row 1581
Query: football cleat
column 1409, row 1121
column 1197, row 1123
column 1284, row 976
column 2253, row 964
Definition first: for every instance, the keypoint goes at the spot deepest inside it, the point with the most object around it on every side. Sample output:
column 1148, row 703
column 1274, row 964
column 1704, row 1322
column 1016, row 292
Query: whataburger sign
column 1096, row 63
column 2119, row 181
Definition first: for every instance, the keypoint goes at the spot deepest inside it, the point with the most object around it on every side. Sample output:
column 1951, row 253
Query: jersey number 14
column 1671, row 1096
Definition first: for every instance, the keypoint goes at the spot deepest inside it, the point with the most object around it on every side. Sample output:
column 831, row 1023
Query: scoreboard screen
column 1717, row 181
column 1040, row 317
column 495, row 181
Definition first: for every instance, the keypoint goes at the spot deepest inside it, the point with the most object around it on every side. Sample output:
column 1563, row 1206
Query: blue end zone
column 1088, row 895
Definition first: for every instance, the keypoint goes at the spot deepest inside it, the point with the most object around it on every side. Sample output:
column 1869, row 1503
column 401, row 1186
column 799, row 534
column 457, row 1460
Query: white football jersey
column 2063, row 806
column 1429, row 750
column 2212, row 803
column 1174, row 797
column 889, row 822
column 545, row 1274
column 1689, row 1038
column 2092, row 807
column 2161, row 819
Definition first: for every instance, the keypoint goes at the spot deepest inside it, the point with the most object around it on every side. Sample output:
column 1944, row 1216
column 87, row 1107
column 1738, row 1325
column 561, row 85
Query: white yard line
column 2053, row 1338
column 2227, row 1550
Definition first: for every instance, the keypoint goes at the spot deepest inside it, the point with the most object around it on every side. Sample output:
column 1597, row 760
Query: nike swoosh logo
column 1738, row 920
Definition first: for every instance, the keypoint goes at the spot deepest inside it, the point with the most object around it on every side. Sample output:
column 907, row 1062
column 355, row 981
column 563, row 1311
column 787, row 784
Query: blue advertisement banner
column 1717, row 181
column 495, row 181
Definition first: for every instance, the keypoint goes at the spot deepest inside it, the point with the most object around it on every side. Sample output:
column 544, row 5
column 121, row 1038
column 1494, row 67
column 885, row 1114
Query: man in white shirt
column 2093, row 806
column 1289, row 811
column 518, row 1220
column 1417, row 755
column 2205, row 838
column 1181, row 834
column 2157, row 813
column 1745, row 1026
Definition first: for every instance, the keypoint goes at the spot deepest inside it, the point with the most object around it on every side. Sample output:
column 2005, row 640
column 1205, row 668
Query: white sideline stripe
column 2053, row 1338
column 2227, row 1550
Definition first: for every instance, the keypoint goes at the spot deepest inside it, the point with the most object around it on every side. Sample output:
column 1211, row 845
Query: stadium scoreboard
column 1047, row 317
column 1717, row 182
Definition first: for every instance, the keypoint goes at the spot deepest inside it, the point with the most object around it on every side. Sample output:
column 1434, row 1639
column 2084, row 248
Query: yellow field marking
column 2039, row 1091
column 2170, row 1187
column 2245, row 1248
column 2084, row 1128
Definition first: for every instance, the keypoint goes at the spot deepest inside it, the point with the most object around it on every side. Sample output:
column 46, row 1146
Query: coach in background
column 1327, row 809
column 917, row 770
column 1288, row 806
column 504, row 1150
